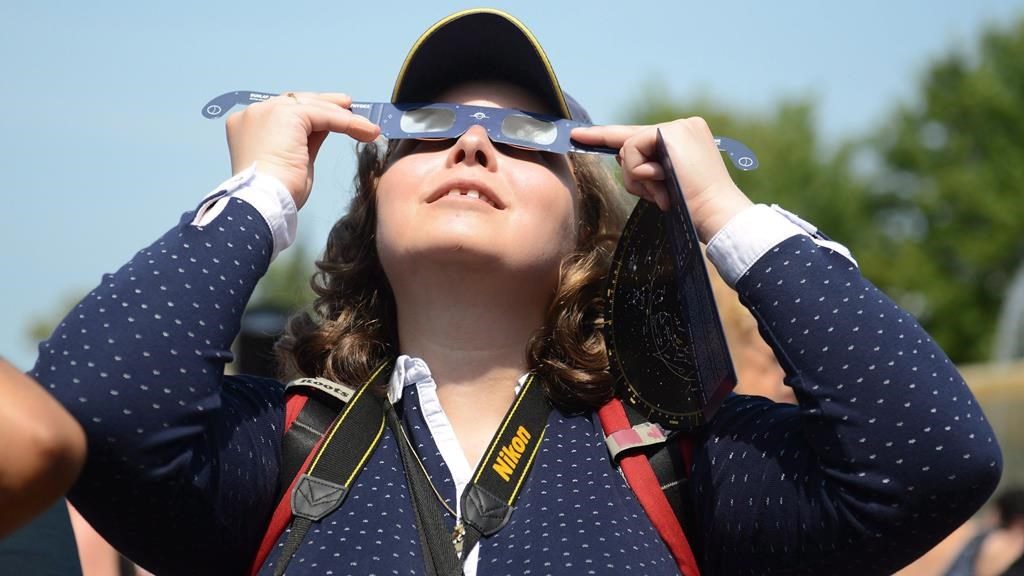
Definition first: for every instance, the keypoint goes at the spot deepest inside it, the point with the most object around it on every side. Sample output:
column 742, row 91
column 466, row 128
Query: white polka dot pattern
column 178, row 456
column 887, row 450
column 887, row 453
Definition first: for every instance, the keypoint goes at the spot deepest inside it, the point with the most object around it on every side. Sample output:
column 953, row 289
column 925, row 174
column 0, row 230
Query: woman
column 475, row 264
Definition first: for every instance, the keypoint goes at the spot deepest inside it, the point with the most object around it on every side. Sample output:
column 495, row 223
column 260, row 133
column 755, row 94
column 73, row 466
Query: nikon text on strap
column 488, row 500
column 305, row 404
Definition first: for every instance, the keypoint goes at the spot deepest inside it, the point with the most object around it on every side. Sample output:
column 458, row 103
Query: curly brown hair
column 351, row 327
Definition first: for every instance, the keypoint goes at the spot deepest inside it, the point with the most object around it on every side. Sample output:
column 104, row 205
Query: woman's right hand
column 282, row 135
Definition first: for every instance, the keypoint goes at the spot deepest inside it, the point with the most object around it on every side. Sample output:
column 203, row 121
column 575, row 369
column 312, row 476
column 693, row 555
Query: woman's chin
column 468, row 251
column 453, row 239
column 454, row 257
column 471, row 247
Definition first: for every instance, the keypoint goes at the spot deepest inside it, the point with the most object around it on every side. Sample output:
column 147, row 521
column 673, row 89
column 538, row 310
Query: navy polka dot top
column 886, row 453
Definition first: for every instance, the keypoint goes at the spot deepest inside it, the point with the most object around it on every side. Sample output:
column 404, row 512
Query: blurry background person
column 97, row 556
column 1002, row 550
column 998, row 551
column 43, row 451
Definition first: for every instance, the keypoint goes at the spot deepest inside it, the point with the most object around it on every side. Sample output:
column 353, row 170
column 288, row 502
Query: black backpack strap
column 672, row 472
column 439, row 555
column 666, row 451
column 307, row 417
column 336, row 465
column 303, row 434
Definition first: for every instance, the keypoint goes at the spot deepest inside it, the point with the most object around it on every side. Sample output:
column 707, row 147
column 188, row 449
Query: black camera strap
column 488, row 501
column 336, row 465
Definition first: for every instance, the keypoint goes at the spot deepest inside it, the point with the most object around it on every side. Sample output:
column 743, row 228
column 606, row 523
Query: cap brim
column 478, row 45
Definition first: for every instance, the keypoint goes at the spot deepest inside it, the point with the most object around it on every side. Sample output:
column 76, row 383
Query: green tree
column 952, row 191
column 286, row 284
column 937, row 223
column 797, row 170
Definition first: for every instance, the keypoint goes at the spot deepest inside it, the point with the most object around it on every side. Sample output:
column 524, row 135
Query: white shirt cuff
column 755, row 231
column 264, row 193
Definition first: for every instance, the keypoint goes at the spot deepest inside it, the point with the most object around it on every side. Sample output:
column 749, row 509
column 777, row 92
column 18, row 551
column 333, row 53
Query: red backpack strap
column 686, row 449
column 283, row 512
column 292, row 406
column 312, row 406
column 641, row 478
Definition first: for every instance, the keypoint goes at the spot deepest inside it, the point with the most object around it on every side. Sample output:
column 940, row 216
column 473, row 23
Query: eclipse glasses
column 439, row 121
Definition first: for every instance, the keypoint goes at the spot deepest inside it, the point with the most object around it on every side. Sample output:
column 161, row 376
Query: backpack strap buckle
column 644, row 434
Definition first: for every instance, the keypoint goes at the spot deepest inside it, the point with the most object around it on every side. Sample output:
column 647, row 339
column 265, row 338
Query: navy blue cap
column 481, row 44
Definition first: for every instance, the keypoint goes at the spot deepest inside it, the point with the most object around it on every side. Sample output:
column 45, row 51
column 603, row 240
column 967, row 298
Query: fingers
column 647, row 183
column 283, row 135
column 639, row 149
column 327, row 116
column 649, row 171
column 688, row 141
column 612, row 136
column 641, row 175
column 323, row 112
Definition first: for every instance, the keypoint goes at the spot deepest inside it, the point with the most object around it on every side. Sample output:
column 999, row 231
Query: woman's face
column 474, row 202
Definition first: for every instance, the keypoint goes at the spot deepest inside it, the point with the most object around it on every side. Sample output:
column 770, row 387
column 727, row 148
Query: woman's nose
column 473, row 147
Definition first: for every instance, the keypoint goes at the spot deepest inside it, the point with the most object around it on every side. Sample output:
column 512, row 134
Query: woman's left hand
column 710, row 194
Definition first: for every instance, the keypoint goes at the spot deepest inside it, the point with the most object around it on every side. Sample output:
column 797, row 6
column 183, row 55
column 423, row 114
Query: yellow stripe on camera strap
column 488, row 501
column 336, row 465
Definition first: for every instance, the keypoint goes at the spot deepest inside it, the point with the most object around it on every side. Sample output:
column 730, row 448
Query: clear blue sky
column 103, row 145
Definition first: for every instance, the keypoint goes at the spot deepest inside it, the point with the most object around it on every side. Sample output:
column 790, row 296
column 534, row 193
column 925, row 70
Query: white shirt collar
column 409, row 371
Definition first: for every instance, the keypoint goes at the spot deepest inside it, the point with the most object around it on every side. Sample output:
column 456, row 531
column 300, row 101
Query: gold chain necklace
column 459, row 533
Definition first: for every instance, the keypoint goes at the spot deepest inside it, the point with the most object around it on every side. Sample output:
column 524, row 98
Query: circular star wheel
column 666, row 348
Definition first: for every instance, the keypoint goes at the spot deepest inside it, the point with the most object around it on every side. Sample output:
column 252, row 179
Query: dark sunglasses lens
column 427, row 120
column 524, row 128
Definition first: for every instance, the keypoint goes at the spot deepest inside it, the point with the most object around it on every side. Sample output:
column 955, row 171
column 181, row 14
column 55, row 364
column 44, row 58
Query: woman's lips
column 470, row 194
column 468, row 189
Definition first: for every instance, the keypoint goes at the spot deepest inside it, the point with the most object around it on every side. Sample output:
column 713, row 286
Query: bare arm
column 43, row 446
